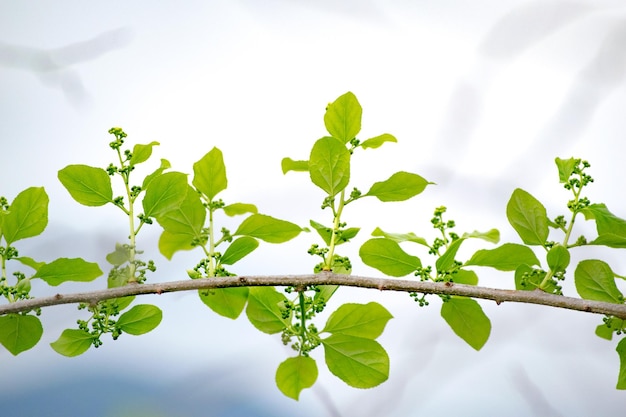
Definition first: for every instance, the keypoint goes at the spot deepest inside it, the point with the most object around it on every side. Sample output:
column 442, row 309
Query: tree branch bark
column 382, row 284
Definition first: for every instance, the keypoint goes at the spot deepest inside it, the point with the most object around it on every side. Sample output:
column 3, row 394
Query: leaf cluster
column 190, row 208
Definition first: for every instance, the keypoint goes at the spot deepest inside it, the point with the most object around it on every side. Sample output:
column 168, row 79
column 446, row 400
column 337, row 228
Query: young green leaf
column 240, row 247
column 227, row 302
column 186, row 219
column 68, row 269
column 264, row 309
column 465, row 276
column 165, row 164
column 446, row 261
column 25, row 260
column 325, row 292
column 361, row 320
column 504, row 258
column 378, row 141
column 295, row 374
column 209, row 174
column 87, row 185
column 119, row 256
column 239, row 208
column 140, row 319
column 388, row 257
column 170, row 243
column 326, row 233
column 467, row 320
column 268, row 229
column 399, row 187
column 165, row 193
column 611, row 229
column 288, row 164
column 595, row 280
column 604, row 331
column 400, row 237
column 492, row 236
column 621, row 351
column 566, row 167
column 359, row 362
column 343, row 117
column 141, row 153
column 19, row 332
column 27, row 215
column 329, row 165
column 72, row 342
column 558, row 258
column 528, row 217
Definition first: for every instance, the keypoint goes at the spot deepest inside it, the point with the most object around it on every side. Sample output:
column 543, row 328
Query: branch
column 382, row 284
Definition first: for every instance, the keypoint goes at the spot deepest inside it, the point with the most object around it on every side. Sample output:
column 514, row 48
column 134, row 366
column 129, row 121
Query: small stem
column 211, row 243
column 302, row 320
column 333, row 237
column 131, row 221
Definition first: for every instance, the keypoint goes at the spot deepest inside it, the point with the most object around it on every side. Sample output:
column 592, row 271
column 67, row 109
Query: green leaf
column 325, row 292
column 170, row 243
column 25, row 260
column 227, row 302
column 388, row 257
column 288, row 164
column 295, row 374
column 19, row 332
column 186, row 219
column 504, row 258
column 209, row 174
column 72, row 342
column 566, row 167
column 361, row 320
column 141, row 153
column 465, row 276
column 268, row 228
column 595, row 280
column 446, row 261
column 400, row 237
column 492, row 236
column 329, row 165
column 165, row 193
column 87, row 185
column 140, row 319
column 119, row 256
column 27, row 215
column 68, row 269
column 611, row 229
column 238, row 249
column 359, row 362
column 239, row 208
column 621, row 351
column 165, row 164
column 326, row 233
column 343, row 117
column 604, row 331
column 399, row 187
column 264, row 309
column 467, row 320
column 558, row 258
column 528, row 217
column 377, row 141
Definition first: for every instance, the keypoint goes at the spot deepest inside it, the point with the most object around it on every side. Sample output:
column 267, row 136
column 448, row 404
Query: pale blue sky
column 482, row 97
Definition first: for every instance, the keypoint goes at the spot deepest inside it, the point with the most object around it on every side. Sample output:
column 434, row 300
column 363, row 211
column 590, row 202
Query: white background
column 482, row 97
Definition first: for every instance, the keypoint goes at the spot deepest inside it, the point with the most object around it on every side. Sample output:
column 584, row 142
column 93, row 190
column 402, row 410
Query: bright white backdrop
column 482, row 97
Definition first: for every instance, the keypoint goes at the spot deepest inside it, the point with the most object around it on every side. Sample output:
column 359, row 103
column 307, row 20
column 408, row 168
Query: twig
column 383, row 284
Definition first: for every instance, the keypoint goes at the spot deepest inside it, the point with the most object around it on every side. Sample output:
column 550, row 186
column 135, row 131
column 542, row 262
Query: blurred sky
column 482, row 97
